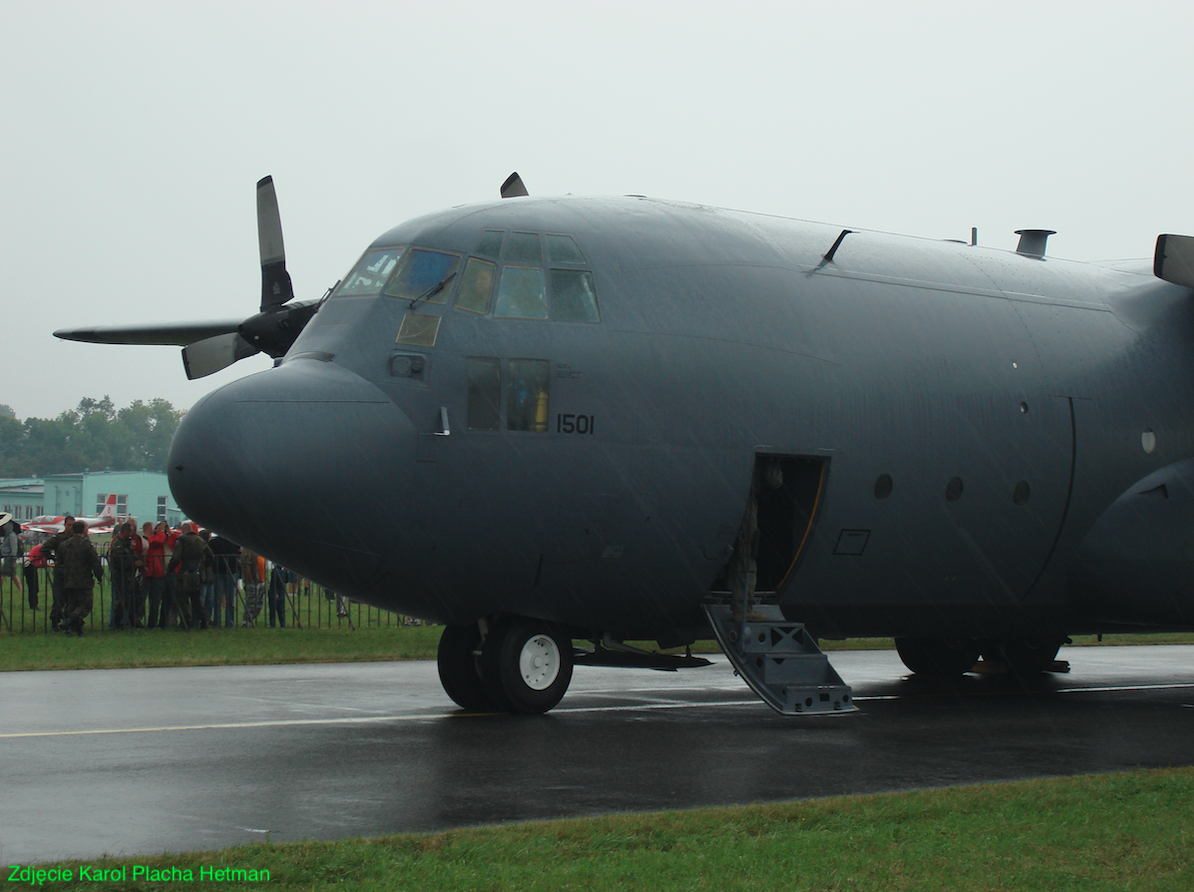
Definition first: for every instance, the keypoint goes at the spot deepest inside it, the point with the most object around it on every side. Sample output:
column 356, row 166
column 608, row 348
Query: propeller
column 209, row 347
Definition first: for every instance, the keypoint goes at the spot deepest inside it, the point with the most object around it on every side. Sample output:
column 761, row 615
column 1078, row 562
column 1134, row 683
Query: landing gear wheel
column 526, row 665
column 459, row 671
column 938, row 657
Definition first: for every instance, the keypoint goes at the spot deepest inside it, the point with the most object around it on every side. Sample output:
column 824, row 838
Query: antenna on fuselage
column 513, row 187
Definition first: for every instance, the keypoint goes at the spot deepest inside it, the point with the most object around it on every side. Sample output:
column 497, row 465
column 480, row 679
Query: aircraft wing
column 178, row 333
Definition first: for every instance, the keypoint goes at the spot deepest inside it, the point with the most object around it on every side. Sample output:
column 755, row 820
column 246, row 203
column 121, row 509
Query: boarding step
column 780, row 661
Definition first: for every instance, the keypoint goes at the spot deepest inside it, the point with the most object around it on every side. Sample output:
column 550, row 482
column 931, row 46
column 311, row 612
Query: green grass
column 1129, row 831
column 218, row 647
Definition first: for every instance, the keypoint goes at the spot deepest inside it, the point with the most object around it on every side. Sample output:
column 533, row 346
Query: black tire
column 526, row 665
column 938, row 657
column 459, row 671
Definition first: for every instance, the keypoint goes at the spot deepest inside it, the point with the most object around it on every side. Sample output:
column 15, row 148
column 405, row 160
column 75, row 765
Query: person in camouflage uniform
column 79, row 562
column 191, row 555
column 122, row 568
column 49, row 550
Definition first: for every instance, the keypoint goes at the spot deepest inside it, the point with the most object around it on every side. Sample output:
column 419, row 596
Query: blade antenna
column 513, row 187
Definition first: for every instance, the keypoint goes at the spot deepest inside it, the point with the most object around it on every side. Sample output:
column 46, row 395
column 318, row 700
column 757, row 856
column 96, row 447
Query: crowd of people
column 160, row 578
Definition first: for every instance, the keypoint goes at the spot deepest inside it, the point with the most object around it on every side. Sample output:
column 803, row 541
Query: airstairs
column 780, row 661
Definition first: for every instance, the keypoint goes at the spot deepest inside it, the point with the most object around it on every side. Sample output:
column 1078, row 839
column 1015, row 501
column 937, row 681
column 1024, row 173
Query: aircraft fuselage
column 953, row 422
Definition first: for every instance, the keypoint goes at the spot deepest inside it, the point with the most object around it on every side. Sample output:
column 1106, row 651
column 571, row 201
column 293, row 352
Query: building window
column 161, row 508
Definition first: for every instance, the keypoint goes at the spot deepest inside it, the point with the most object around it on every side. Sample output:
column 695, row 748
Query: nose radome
column 286, row 461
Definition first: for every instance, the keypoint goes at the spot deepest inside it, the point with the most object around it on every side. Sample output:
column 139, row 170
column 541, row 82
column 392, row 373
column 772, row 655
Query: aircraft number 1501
column 574, row 424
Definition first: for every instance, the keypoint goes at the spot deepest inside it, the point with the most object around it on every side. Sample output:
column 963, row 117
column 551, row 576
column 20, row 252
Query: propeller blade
column 177, row 333
column 513, row 187
column 276, row 288
column 208, row 356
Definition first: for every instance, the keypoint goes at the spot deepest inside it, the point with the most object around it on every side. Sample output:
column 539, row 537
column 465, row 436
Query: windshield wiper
column 433, row 290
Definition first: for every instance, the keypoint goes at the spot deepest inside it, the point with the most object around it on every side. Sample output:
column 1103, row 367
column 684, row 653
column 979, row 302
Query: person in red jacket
column 35, row 562
column 159, row 591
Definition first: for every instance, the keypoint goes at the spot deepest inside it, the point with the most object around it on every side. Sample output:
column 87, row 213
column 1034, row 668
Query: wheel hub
column 539, row 662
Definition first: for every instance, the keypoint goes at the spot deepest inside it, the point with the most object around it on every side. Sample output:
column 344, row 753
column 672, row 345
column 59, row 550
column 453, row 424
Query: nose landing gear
column 521, row 665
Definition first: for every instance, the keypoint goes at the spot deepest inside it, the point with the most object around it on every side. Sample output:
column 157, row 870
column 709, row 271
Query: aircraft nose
column 287, row 461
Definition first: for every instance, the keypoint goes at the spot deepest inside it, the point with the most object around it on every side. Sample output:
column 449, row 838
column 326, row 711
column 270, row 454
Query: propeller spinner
column 209, row 347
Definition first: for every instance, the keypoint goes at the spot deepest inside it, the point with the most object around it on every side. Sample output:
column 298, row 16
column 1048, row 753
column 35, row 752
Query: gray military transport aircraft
column 555, row 407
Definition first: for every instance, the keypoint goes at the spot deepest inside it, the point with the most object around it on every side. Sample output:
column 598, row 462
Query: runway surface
column 140, row 761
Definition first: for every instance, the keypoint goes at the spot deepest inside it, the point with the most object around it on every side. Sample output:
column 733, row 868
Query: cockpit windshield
column 421, row 272
column 372, row 272
column 529, row 276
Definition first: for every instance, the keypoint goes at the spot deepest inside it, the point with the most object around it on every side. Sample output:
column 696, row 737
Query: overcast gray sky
column 133, row 134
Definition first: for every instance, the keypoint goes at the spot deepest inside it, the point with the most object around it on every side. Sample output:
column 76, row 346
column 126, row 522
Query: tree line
column 95, row 435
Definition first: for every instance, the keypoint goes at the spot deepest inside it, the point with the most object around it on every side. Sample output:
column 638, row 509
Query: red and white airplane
column 104, row 522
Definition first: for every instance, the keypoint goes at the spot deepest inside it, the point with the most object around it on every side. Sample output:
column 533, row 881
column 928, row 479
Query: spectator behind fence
column 34, row 562
column 10, row 549
column 227, row 554
column 279, row 579
column 191, row 555
column 79, row 562
column 140, row 543
column 49, row 550
column 122, row 568
column 159, row 591
column 207, row 581
column 252, row 574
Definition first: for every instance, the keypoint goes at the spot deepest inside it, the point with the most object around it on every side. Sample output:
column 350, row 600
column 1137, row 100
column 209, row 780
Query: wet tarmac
column 139, row 761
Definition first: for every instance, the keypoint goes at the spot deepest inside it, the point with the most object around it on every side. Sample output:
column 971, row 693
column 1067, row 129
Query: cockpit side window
column 476, row 284
column 573, row 297
column 424, row 275
column 522, row 293
column 371, row 272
